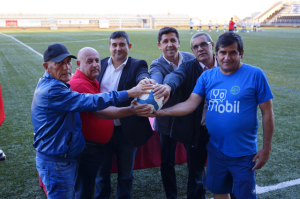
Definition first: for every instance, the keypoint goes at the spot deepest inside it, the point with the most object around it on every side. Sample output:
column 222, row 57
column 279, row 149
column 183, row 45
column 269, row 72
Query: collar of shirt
column 172, row 64
column 214, row 66
column 110, row 64
column 80, row 74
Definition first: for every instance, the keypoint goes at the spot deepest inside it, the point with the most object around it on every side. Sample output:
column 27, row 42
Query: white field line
column 260, row 190
column 23, row 44
column 72, row 41
column 282, row 185
column 62, row 42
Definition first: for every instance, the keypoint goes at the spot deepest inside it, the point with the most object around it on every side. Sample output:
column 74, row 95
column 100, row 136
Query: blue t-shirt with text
column 232, row 102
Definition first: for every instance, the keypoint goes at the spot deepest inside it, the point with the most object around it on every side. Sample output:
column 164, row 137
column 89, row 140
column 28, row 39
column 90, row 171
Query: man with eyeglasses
column 190, row 129
column 234, row 92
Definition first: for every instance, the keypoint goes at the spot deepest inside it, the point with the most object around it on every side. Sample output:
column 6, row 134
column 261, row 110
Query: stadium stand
column 30, row 18
column 289, row 20
column 58, row 21
column 293, row 9
column 279, row 14
column 174, row 20
column 288, row 14
column 274, row 14
column 264, row 15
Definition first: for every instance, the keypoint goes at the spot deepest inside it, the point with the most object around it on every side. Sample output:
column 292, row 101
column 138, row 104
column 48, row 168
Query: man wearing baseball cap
column 54, row 113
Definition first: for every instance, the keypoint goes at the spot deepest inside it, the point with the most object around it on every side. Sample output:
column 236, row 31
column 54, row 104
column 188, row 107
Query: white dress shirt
column 110, row 80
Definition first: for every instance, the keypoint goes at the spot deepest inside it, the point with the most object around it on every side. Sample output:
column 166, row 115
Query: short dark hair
column 118, row 34
column 166, row 30
column 229, row 38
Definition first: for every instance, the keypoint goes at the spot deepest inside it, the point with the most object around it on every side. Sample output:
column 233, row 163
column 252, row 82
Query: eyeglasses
column 202, row 45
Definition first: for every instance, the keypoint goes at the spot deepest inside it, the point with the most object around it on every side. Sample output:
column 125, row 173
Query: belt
column 96, row 144
column 118, row 127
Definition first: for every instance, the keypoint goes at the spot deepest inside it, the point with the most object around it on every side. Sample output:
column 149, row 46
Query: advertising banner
column 82, row 21
column 103, row 23
column 94, row 22
column 11, row 22
column 29, row 23
column 63, row 21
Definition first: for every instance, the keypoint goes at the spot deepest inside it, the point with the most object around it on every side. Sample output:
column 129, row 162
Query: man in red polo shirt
column 231, row 25
column 97, row 127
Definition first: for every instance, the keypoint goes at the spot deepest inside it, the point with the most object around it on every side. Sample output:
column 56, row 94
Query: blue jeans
column 125, row 154
column 196, row 159
column 88, row 166
column 58, row 177
column 167, row 170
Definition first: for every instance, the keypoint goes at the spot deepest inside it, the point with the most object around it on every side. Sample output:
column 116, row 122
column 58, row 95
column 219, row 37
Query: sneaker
column 2, row 155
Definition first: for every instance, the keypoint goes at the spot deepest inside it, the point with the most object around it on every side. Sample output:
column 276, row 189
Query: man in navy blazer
column 118, row 72
column 169, row 61
column 190, row 129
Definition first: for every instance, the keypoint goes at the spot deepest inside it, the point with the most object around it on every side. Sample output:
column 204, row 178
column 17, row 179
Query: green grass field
column 276, row 51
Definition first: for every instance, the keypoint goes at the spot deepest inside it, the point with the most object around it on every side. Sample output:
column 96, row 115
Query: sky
column 206, row 10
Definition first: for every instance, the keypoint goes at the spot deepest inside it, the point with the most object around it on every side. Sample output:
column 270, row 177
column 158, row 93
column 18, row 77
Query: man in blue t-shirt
column 233, row 91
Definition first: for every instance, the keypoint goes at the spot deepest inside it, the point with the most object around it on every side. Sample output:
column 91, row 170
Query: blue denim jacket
column 55, row 117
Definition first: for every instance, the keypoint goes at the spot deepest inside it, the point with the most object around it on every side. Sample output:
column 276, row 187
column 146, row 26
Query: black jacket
column 187, row 129
column 137, row 130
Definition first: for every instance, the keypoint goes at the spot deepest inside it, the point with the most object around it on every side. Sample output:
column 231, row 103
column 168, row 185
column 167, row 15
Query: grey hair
column 200, row 34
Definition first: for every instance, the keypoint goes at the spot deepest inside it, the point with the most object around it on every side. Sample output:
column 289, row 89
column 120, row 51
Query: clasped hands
column 159, row 91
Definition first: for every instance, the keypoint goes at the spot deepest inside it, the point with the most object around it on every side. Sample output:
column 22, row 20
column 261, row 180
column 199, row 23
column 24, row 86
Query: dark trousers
column 167, row 170
column 88, row 165
column 196, row 159
column 125, row 154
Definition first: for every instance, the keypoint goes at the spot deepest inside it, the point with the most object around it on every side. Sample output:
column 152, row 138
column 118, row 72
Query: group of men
column 210, row 105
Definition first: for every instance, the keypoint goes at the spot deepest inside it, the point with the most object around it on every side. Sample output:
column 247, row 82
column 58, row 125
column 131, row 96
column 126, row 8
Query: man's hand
column 155, row 113
column 147, row 81
column 139, row 109
column 263, row 156
column 140, row 89
column 162, row 91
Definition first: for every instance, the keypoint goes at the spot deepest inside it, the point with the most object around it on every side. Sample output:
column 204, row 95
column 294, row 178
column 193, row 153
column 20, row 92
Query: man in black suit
column 117, row 73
